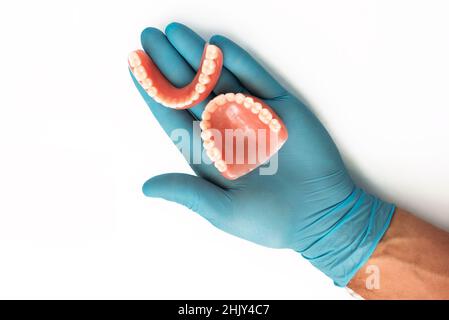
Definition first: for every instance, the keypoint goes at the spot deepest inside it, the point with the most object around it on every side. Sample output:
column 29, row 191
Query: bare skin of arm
column 410, row 262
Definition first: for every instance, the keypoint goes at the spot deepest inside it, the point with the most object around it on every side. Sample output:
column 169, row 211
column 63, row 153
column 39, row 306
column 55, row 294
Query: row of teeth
column 263, row 114
column 208, row 68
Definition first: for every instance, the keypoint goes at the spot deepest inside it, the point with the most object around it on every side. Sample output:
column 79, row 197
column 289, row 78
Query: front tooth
column 256, row 108
column 220, row 100
column 214, row 154
column 248, row 102
column 211, row 107
column 203, row 78
column 134, row 59
column 275, row 125
column 208, row 144
column 204, row 125
column 205, row 115
column 239, row 98
column 152, row 92
column 206, row 134
column 146, row 83
column 211, row 52
column 221, row 165
column 157, row 99
column 140, row 73
column 230, row 96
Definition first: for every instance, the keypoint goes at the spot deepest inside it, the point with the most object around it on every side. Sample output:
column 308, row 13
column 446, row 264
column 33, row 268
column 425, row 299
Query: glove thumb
column 193, row 192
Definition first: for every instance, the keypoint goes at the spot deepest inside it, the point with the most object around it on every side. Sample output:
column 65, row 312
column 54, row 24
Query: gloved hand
column 310, row 205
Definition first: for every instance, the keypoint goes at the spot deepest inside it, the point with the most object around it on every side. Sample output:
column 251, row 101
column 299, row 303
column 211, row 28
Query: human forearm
column 410, row 262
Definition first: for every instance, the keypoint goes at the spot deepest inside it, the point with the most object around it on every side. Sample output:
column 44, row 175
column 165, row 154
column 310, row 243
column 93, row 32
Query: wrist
column 410, row 262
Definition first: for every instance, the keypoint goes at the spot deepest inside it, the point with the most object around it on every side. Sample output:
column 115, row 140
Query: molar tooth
column 239, row 98
column 152, row 91
column 211, row 107
column 221, row 165
column 220, row 100
column 204, row 125
column 203, row 78
column 206, row 134
column 274, row 125
column 211, row 52
column 208, row 144
column 230, row 96
column 200, row 88
column 205, row 115
column 263, row 119
column 146, row 83
column 208, row 67
column 134, row 59
column 214, row 154
column 209, row 63
column 140, row 73
column 266, row 114
column 248, row 102
column 256, row 108
column 195, row 96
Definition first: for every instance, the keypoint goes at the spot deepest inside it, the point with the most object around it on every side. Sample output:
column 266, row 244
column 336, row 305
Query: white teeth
column 152, row 92
column 200, row 88
column 207, row 71
column 208, row 144
column 211, row 107
column 274, row 125
column 157, row 99
column 134, row 60
column 195, row 96
column 206, row 134
column 214, row 154
column 146, row 83
column 264, row 119
column 209, row 63
column 239, row 98
column 265, row 116
column 208, row 67
column 230, row 96
column 248, row 102
column 203, row 79
column 204, row 125
column 211, row 52
column 205, row 115
column 221, row 165
column 140, row 73
column 220, row 100
column 256, row 108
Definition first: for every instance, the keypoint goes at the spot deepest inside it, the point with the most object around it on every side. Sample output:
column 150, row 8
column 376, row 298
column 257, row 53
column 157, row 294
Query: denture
column 163, row 92
column 239, row 132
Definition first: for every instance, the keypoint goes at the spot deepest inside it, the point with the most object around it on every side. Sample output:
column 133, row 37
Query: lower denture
column 228, row 119
column 163, row 92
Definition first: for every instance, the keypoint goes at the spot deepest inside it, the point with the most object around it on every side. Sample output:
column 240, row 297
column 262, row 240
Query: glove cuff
column 346, row 246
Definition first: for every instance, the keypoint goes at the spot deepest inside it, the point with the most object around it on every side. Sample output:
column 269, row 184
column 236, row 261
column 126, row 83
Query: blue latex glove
column 310, row 205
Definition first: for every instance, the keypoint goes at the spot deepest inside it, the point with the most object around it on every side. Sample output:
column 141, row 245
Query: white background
column 77, row 141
